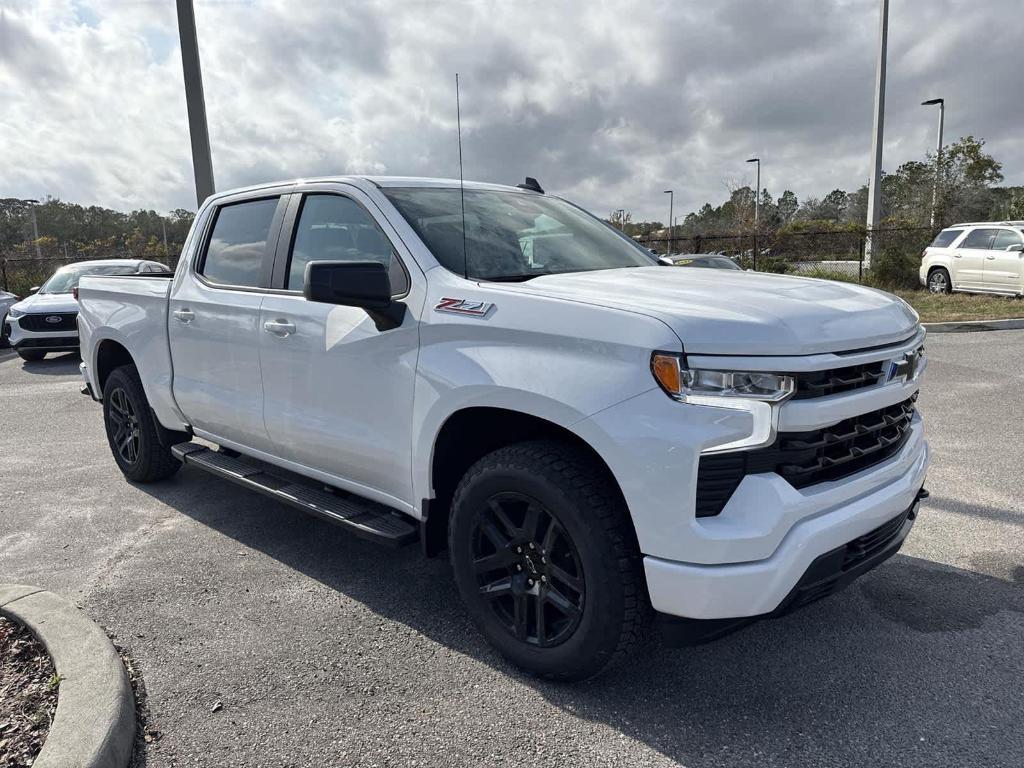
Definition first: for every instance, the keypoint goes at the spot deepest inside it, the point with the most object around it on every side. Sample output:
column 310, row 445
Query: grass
column 940, row 307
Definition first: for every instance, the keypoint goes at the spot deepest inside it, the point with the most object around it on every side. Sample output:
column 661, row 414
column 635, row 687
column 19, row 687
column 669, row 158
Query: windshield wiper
column 513, row 278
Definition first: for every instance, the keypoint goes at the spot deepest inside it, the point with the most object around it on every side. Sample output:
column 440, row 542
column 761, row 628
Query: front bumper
column 825, row 522
column 56, row 341
column 826, row 575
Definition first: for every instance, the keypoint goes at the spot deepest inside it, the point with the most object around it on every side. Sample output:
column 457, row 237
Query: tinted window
column 945, row 237
column 335, row 228
column 978, row 238
column 1005, row 238
column 238, row 243
column 66, row 278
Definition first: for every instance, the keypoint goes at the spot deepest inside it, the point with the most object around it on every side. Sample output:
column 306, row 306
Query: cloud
column 608, row 103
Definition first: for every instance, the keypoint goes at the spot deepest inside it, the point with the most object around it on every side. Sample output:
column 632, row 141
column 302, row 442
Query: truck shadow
column 54, row 365
column 915, row 663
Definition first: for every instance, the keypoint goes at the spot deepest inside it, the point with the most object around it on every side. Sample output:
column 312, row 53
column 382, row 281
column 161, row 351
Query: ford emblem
column 53, row 319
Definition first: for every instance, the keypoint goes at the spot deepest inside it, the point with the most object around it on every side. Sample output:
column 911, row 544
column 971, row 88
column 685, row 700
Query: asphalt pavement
column 268, row 638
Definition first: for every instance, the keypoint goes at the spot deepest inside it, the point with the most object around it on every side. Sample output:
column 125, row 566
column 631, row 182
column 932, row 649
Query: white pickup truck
column 493, row 371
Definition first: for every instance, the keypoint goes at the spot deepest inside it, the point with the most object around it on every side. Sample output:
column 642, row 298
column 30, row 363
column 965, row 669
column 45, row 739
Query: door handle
column 957, row 255
column 990, row 258
column 280, row 328
column 184, row 315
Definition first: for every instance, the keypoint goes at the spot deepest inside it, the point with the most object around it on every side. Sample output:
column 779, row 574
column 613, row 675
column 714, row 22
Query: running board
column 364, row 518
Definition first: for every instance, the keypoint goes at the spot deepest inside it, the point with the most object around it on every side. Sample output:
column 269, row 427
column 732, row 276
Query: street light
column 671, row 202
column 875, row 181
column 938, row 152
column 622, row 219
column 195, row 103
column 757, row 204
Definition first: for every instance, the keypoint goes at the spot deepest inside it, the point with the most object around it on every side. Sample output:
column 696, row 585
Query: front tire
column 939, row 282
column 546, row 560
column 132, row 431
column 31, row 355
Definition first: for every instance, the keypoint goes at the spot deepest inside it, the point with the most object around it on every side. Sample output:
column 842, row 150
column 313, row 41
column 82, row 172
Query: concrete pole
column 938, row 161
column 35, row 228
column 875, row 182
column 202, row 163
column 671, row 228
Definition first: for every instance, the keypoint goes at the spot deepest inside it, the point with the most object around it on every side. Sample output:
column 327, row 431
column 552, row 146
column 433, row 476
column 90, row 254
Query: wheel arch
column 468, row 435
column 110, row 354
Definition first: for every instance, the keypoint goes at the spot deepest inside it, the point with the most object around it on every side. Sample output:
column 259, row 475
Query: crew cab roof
column 378, row 181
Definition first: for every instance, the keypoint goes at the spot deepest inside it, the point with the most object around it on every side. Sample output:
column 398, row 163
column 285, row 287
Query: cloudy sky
column 607, row 102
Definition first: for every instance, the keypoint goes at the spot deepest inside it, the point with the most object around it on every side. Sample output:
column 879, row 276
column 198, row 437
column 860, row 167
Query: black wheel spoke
column 531, row 522
column 521, row 615
column 500, row 559
column 573, row 582
column 542, row 631
column 510, row 529
column 561, row 603
column 497, row 589
column 496, row 537
column 551, row 535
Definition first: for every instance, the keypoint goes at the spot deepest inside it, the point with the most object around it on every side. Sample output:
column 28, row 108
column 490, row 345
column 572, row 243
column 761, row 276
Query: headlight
column 15, row 313
column 689, row 384
column 754, row 392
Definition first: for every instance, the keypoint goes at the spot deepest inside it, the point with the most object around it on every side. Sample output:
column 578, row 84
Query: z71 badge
column 464, row 307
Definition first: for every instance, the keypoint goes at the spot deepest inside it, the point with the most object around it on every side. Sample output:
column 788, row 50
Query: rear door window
column 238, row 243
column 1005, row 238
column 945, row 238
column 978, row 238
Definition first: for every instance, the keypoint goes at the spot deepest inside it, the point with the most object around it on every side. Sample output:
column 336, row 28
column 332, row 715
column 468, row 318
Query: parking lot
column 268, row 638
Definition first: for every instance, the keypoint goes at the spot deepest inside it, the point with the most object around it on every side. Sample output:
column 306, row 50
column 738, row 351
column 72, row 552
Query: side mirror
column 362, row 284
column 1015, row 247
column 33, row 289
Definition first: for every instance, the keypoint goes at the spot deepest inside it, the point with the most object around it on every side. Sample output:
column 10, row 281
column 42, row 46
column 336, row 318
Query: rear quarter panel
column 132, row 312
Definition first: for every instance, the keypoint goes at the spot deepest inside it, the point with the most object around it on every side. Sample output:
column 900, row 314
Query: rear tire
column 546, row 560
column 31, row 355
column 939, row 282
column 132, row 430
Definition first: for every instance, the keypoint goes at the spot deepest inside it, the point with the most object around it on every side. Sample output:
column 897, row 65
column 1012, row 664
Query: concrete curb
column 969, row 326
column 95, row 722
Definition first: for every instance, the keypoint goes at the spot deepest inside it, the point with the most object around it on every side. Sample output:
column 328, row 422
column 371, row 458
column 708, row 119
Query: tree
column 787, row 206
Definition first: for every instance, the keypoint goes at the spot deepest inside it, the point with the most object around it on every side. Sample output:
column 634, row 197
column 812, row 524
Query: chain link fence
column 830, row 254
column 834, row 255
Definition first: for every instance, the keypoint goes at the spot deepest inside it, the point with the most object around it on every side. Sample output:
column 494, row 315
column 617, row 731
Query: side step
column 364, row 518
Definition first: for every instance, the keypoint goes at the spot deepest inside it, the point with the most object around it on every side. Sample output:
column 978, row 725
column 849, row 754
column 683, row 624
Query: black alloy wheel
column 125, row 422
column 528, row 569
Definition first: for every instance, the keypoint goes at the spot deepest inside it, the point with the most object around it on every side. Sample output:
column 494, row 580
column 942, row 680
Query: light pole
column 202, row 164
column 622, row 219
column 35, row 227
column 938, row 153
column 757, row 204
column 671, row 202
column 875, row 182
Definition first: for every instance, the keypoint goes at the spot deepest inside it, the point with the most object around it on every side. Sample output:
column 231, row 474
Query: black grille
column 806, row 458
column 49, row 342
column 68, row 322
column 832, row 382
column 829, row 573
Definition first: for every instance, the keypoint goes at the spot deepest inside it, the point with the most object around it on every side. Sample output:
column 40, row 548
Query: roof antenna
column 462, row 183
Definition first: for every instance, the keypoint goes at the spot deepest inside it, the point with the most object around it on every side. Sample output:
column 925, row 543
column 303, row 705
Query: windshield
column 512, row 236
column 66, row 278
column 712, row 262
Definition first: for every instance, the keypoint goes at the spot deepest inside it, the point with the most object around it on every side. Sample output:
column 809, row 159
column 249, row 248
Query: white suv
column 987, row 257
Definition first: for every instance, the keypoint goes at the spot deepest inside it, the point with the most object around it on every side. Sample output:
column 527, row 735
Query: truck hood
column 724, row 312
column 39, row 303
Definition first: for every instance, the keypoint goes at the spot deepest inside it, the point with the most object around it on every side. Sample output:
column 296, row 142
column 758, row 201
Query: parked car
column 360, row 349
column 6, row 301
column 46, row 321
column 705, row 260
column 980, row 257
